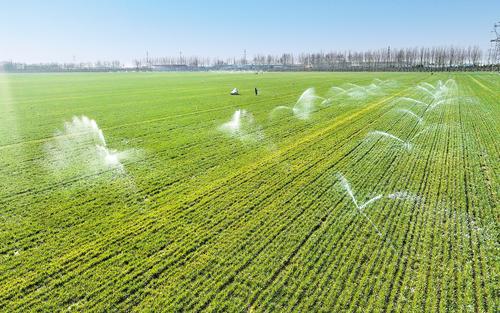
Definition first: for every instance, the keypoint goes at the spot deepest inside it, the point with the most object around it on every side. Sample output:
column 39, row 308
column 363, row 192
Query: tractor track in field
column 481, row 84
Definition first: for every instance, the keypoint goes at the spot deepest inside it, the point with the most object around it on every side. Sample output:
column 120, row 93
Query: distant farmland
column 326, row 192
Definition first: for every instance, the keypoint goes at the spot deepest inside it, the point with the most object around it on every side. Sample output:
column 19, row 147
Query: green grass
column 201, row 220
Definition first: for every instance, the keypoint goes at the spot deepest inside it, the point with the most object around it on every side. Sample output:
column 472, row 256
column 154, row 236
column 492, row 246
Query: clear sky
column 49, row 30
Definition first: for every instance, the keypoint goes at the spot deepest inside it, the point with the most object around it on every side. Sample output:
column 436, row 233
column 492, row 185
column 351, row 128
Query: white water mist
column 304, row 107
column 242, row 126
column 306, row 104
column 81, row 146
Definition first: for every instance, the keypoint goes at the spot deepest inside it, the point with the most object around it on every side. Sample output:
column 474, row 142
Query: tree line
column 446, row 58
column 98, row 66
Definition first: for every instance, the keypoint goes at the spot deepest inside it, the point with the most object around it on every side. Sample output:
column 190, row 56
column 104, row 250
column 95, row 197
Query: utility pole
column 494, row 55
column 388, row 57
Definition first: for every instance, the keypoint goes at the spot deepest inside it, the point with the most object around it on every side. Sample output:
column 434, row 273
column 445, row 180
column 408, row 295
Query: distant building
column 171, row 67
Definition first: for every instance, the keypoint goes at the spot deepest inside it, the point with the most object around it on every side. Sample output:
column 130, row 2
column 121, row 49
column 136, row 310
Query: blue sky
column 43, row 31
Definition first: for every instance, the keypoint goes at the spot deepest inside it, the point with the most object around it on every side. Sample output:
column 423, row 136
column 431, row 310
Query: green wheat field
column 367, row 192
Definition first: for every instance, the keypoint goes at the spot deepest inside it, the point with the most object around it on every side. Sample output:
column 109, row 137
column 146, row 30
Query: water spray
column 405, row 144
column 347, row 187
column 243, row 127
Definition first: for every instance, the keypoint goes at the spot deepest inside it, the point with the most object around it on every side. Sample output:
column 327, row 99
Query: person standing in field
column 256, row 91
